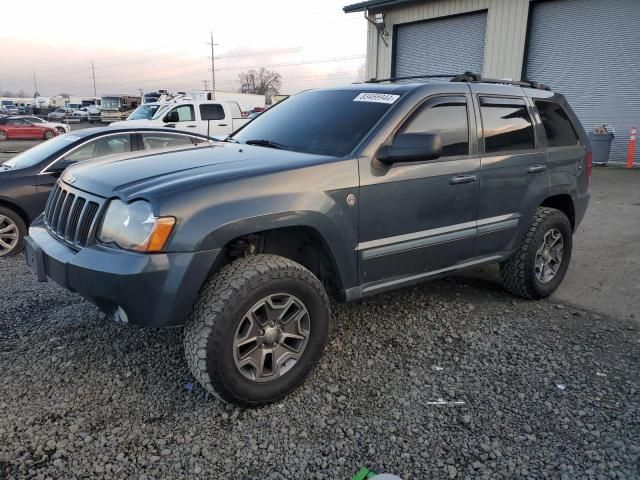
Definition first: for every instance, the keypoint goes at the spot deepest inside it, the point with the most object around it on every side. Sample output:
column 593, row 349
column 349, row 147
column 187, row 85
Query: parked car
column 207, row 117
column 61, row 127
column 27, row 179
column 253, row 115
column 81, row 114
column 11, row 110
column 93, row 113
column 60, row 114
column 17, row 128
column 382, row 187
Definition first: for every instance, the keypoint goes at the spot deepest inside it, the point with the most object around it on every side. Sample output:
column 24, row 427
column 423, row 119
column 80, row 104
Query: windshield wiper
column 267, row 143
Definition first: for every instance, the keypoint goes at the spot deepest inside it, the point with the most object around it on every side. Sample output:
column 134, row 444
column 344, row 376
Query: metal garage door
column 589, row 51
column 446, row 45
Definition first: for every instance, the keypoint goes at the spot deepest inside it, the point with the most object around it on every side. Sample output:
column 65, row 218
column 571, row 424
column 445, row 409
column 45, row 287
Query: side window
column 212, row 111
column 557, row 126
column 446, row 116
column 151, row 141
column 185, row 113
column 100, row 147
column 18, row 122
column 506, row 125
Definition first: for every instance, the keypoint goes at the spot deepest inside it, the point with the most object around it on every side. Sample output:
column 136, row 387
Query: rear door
column 421, row 216
column 514, row 178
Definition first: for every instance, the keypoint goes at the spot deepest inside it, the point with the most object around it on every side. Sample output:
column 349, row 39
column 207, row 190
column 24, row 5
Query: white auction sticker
column 376, row 97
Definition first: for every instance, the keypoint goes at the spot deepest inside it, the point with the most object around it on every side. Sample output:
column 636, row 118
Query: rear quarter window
column 558, row 128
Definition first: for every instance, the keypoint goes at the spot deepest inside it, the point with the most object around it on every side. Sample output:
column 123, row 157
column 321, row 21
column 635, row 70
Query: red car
column 19, row 128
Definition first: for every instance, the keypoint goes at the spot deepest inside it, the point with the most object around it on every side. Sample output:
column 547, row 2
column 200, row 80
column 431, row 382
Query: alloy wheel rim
column 549, row 256
column 271, row 337
column 9, row 235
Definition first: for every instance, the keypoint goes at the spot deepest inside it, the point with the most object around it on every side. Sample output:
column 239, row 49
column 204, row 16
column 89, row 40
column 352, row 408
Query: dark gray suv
column 343, row 193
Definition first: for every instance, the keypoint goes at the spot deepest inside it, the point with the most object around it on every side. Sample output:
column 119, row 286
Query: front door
column 514, row 173
column 421, row 216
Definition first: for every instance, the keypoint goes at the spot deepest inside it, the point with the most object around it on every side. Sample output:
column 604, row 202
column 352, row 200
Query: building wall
column 504, row 41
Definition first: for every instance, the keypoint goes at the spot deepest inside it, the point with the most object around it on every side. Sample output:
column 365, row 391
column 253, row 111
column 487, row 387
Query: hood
column 145, row 175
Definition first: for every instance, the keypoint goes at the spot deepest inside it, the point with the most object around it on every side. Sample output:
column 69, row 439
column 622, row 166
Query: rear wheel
column 3, row 135
column 12, row 232
column 258, row 329
column 541, row 262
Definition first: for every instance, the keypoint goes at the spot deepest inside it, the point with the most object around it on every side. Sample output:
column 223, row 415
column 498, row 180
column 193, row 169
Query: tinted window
column 211, row 111
column 506, row 124
column 100, row 147
column 151, row 141
column 325, row 122
column 557, row 126
column 446, row 116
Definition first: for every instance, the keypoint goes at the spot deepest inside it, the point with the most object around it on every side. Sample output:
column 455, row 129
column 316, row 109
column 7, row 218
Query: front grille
column 72, row 215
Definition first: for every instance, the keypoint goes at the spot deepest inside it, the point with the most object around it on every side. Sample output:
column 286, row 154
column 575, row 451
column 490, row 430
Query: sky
column 151, row 44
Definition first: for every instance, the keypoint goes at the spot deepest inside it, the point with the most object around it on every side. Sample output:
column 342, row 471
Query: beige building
column 587, row 50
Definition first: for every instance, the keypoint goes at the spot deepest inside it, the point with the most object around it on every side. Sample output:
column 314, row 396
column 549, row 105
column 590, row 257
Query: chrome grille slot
column 72, row 215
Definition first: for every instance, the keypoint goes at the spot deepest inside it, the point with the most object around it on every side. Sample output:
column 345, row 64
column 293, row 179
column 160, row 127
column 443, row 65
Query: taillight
column 589, row 160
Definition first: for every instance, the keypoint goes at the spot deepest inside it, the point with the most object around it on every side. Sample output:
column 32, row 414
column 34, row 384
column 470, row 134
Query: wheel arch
column 15, row 208
column 564, row 203
column 303, row 244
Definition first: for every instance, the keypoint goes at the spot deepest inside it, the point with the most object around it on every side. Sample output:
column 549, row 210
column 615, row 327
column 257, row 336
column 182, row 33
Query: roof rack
column 470, row 78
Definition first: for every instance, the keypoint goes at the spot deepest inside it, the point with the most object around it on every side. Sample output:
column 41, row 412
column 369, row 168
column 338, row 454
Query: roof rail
column 468, row 77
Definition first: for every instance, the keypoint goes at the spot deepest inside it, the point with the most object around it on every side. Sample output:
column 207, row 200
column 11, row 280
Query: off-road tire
column 22, row 231
column 224, row 300
column 518, row 274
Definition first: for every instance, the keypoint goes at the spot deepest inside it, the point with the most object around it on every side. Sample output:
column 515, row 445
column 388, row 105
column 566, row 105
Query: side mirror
column 411, row 147
column 172, row 117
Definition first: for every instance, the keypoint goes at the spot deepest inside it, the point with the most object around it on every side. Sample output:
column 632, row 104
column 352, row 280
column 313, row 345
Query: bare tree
column 9, row 93
column 260, row 82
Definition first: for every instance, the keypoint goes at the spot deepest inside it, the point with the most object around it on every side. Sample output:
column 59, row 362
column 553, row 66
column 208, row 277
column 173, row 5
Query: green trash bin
column 601, row 145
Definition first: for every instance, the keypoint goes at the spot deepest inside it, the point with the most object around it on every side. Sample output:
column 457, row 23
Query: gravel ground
column 547, row 391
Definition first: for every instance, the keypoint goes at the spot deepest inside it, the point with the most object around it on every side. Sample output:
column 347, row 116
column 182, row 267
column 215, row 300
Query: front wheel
column 12, row 232
column 539, row 265
column 258, row 329
column 48, row 134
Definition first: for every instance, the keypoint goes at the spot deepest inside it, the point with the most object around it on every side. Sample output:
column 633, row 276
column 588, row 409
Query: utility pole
column 206, row 85
column 35, row 82
column 213, row 72
column 93, row 74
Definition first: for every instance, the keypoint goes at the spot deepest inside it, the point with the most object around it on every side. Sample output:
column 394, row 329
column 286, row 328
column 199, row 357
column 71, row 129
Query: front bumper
column 150, row 290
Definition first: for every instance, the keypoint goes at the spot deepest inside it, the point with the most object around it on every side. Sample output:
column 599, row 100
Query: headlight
column 132, row 226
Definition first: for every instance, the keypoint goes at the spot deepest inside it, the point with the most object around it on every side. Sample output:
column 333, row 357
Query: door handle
column 460, row 179
column 191, row 126
column 170, row 125
column 537, row 168
column 222, row 124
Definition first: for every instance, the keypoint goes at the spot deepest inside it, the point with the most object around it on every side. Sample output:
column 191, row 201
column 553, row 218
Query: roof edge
column 371, row 4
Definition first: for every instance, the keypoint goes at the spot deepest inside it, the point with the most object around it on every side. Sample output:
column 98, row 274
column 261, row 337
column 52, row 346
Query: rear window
column 211, row 111
column 557, row 126
column 506, row 125
column 324, row 122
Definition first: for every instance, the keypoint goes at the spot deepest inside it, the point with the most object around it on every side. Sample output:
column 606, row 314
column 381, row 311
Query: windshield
column 324, row 122
column 111, row 103
column 143, row 112
column 36, row 154
column 160, row 111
